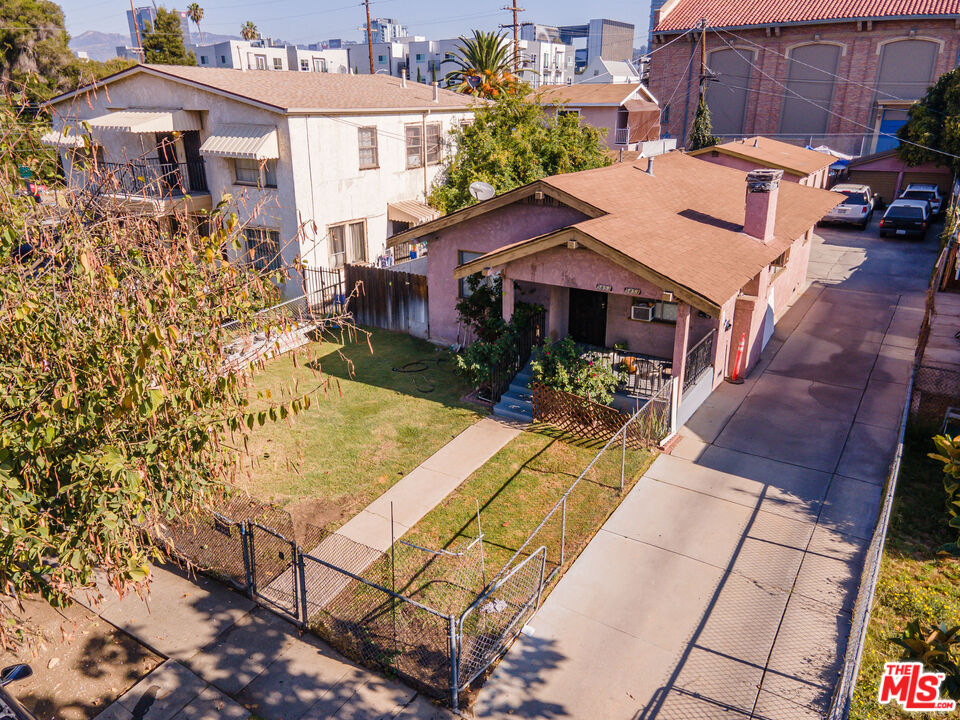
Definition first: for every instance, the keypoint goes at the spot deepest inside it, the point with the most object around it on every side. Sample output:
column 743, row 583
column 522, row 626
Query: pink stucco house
column 799, row 165
column 654, row 255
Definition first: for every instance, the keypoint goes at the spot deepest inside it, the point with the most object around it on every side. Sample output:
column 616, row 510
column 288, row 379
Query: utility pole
column 516, row 41
column 369, row 35
column 136, row 25
column 703, row 59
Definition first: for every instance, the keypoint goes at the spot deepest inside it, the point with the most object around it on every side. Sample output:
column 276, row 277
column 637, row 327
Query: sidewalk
column 722, row 585
column 229, row 658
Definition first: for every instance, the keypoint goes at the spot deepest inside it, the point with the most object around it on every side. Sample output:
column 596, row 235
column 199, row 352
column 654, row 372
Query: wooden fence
column 593, row 421
column 388, row 299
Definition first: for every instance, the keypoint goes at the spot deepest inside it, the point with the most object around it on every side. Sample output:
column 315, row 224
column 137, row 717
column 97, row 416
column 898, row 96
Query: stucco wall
column 743, row 165
column 482, row 234
column 603, row 118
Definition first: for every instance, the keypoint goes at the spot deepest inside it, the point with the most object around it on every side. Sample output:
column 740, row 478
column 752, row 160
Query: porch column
column 507, row 296
column 557, row 312
column 681, row 339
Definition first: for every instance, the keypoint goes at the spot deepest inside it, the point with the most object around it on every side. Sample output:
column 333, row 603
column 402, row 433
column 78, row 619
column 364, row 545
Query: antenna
column 482, row 191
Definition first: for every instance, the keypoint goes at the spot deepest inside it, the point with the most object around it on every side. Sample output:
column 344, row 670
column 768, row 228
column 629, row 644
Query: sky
column 299, row 22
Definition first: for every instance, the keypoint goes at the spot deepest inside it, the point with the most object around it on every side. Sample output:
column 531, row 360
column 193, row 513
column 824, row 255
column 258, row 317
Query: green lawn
column 914, row 582
column 514, row 490
column 371, row 429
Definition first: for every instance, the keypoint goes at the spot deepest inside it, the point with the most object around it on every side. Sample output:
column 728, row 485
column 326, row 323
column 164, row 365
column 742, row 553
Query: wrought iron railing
column 502, row 373
column 644, row 375
column 699, row 360
column 152, row 178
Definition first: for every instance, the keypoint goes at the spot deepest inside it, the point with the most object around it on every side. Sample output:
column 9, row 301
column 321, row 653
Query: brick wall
column 672, row 84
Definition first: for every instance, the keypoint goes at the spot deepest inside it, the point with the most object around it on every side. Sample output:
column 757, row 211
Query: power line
column 828, row 110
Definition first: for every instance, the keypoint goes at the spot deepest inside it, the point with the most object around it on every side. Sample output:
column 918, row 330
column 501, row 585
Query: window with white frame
column 319, row 65
column 414, row 137
column 261, row 61
column 262, row 173
column 434, row 143
column 278, row 63
column 348, row 243
column 367, row 139
column 262, row 248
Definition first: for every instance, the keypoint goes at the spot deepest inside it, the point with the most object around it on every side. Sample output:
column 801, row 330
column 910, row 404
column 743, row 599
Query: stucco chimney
column 760, row 214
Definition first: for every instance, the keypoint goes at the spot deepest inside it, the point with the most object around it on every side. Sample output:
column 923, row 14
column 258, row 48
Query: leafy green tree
column 249, row 31
column 948, row 453
column 163, row 41
column 195, row 13
column 512, row 142
column 33, row 47
column 701, row 135
column 934, row 122
column 118, row 411
column 484, row 65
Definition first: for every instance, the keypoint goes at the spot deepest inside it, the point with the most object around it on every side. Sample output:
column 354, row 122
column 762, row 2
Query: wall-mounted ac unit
column 641, row 312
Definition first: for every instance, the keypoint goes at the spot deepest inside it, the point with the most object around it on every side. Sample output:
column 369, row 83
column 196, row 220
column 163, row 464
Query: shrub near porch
column 349, row 448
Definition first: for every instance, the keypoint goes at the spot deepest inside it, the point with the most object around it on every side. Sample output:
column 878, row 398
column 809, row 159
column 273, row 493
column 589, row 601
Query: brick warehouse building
column 792, row 68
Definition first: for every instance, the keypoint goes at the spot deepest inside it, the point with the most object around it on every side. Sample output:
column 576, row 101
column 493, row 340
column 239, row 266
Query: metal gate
column 273, row 568
column 496, row 617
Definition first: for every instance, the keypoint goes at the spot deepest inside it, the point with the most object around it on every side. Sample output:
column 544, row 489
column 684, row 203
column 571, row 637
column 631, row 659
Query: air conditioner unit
column 642, row 312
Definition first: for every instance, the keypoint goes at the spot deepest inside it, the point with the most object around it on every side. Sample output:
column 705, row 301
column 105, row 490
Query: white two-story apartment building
column 265, row 55
column 320, row 166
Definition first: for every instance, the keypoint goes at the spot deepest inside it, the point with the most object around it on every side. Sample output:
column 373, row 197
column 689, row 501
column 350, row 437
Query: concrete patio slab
column 904, row 328
column 775, row 420
column 869, row 452
column 894, row 364
column 882, row 404
column 828, row 361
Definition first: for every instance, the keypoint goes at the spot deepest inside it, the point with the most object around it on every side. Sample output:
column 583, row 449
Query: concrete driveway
column 723, row 584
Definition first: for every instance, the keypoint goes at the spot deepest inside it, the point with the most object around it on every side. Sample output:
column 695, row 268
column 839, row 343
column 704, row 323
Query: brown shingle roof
column 775, row 154
column 684, row 222
column 744, row 13
column 586, row 93
column 298, row 91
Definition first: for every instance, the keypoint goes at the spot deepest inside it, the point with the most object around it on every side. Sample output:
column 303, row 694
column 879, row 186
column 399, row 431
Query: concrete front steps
column 517, row 402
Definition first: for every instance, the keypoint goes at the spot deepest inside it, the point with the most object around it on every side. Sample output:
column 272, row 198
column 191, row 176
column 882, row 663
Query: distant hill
column 103, row 46
column 98, row 45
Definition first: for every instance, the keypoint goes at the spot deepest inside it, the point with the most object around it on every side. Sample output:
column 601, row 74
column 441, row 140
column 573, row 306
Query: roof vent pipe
column 756, row 142
column 403, row 78
column 436, row 92
column 650, row 166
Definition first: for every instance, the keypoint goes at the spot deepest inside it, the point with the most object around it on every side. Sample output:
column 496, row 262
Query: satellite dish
column 474, row 81
column 481, row 190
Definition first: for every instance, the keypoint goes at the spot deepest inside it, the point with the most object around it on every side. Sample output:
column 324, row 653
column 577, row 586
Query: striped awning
column 411, row 211
column 250, row 142
column 65, row 137
column 149, row 121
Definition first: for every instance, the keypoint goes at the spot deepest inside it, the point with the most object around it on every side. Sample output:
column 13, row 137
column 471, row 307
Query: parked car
column 923, row 191
column 906, row 217
column 856, row 209
column 9, row 707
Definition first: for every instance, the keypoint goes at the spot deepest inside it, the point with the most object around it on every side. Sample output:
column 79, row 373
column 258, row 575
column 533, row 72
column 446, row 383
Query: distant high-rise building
column 387, row 30
column 609, row 39
column 138, row 17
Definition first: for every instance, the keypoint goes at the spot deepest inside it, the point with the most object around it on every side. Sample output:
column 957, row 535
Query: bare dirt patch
column 80, row 663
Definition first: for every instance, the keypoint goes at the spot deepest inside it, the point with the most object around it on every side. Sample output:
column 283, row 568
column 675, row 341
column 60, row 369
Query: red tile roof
column 744, row 13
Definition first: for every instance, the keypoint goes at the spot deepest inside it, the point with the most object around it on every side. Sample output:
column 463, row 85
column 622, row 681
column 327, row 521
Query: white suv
column 856, row 209
column 924, row 191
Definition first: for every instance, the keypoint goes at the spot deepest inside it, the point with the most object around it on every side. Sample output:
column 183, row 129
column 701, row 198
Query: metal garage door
column 884, row 183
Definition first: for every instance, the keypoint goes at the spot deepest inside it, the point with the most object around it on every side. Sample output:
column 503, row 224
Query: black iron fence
column 643, row 375
column 153, row 178
column 699, row 360
column 324, row 290
column 531, row 334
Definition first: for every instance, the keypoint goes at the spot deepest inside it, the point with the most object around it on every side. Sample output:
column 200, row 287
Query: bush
column 563, row 366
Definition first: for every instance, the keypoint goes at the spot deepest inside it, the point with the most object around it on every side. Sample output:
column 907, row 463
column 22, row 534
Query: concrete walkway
column 723, row 584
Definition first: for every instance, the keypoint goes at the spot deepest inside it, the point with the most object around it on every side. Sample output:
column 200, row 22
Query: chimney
column 436, row 92
column 403, row 78
column 760, row 213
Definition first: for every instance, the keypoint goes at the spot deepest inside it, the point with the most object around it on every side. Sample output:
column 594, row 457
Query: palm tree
column 195, row 13
column 248, row 31
column 483, row 65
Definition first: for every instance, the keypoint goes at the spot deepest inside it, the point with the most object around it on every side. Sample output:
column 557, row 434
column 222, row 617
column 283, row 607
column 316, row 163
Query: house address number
column 604, row 288
column 632, row 291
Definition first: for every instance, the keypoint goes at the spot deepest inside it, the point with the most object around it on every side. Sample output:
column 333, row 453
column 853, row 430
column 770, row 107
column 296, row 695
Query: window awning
column 411, row 211
column 148, row 121
column 250, row 142
column 62, row 138
column 643, row 118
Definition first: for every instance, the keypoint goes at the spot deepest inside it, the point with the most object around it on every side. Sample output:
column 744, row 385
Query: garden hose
column 423, row 385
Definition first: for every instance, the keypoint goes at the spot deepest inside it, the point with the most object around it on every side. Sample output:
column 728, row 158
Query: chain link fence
column 438, row 619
